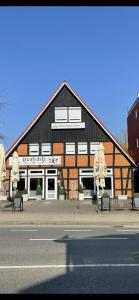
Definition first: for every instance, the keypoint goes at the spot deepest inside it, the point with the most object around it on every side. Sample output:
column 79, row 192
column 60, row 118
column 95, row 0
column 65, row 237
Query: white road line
column 70, row 265
column 24, row 230
column 78, row 230
column 77, row 239
column 136, row 230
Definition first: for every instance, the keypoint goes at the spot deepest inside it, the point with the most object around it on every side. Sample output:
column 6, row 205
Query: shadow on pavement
column 96, row 279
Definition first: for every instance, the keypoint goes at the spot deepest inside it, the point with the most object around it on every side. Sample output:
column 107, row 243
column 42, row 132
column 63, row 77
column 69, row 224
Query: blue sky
column 96, row 49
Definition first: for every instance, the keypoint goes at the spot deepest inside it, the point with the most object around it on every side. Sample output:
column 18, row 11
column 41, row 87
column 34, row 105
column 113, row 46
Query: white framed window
column 46, row 149
column 93, row 147
column 61, row 114
column 109, row 172
column 67, row 114
column 51, row 172
column 136, row 113
column 34, row 149
column 86, row 172
column 137, row 141
column 35, row 172
column 74, row 114
column 22, row 173
column 82, row 148
column 70, row 148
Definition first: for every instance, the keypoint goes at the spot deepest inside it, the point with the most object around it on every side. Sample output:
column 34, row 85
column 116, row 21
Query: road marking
column 24, row 230
column 78, row 230
column 137, row 230
column 70, row 265
column 77, row 239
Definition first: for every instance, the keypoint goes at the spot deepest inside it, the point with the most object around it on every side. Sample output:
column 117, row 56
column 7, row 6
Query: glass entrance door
column 51, row 188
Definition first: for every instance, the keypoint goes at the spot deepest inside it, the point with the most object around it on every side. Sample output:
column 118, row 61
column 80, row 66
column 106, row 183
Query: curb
column 65, row 223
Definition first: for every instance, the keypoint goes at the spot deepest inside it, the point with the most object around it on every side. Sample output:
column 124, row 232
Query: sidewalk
column 56, row 212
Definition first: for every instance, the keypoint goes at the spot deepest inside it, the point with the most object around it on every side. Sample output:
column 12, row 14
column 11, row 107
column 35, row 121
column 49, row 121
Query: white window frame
column 137, row 142
column 32, row 150
column 74, row 114
column 68, row 114
column 51, row 174
column 86, row 172
column 71, row 147
column 82, row 148
column 36, row 174
column 46, row 149
column 61, row 114
column 93, row 147
column 136, row 113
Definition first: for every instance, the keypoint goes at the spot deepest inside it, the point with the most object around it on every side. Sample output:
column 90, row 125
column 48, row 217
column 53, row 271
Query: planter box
column 105, row 204
column 81, row 196
column 3, row 197
column 135, row 203
column 38, row 197
column 25, row 197
column 61, row 197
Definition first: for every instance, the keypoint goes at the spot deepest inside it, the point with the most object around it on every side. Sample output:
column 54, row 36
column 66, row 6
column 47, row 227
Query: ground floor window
column 33, row 182
column 21, row 184
column 88, row 186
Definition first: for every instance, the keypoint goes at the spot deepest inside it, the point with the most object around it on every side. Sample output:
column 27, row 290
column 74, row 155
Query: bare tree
column 123, row 139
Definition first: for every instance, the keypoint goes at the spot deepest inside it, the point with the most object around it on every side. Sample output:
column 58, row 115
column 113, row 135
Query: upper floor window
column 34, row 149
column 67, row 114
column 136, row 113
column 137, row 141
column 82, row 148
column 46, row 149
column 61, row 114
column 93, row 147
column 70, row 148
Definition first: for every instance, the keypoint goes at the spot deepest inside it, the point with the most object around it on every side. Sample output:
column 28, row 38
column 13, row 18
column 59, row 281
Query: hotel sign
column 67, row 125
column 37, row 160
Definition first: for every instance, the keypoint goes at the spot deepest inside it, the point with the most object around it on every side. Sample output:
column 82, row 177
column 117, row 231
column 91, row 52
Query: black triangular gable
column 41, row 131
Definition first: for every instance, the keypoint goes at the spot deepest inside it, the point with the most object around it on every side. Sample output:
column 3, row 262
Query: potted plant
column 38, row 191
column 81, row 192
column 105, row 201
column 25, row 194
column 61, row 192
column 135, row 201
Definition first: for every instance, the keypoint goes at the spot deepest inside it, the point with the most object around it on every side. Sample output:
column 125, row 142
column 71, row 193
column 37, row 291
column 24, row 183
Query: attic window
column 61, row 114
column 68, row 114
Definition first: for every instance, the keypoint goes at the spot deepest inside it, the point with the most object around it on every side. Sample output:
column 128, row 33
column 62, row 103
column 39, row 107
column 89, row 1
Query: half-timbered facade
column 60, row 143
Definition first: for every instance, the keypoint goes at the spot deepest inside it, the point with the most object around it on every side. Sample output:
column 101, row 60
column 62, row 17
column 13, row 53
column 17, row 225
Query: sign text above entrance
column 37, row 160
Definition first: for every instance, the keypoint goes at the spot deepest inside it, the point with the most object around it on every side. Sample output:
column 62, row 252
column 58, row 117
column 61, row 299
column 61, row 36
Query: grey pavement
column 58, row 212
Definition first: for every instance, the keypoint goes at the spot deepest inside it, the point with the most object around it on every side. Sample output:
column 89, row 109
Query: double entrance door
column 51, row 188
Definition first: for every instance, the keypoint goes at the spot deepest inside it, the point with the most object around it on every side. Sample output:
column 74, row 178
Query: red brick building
column 133, row 130
column 60, row 143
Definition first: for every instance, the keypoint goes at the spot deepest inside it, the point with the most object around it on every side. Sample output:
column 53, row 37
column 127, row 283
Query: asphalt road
column 69, row 260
